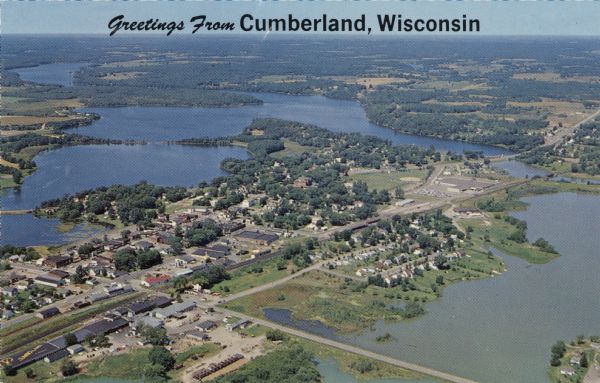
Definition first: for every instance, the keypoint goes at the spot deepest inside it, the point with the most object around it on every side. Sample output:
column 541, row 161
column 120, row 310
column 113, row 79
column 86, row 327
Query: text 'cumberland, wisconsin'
column 290, row 23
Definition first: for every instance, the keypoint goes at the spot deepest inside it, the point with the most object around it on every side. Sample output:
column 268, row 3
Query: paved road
column 352, row 349
column 270, row 285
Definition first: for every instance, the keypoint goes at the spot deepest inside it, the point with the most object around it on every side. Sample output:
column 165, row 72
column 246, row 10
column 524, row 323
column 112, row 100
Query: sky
column 529, row 18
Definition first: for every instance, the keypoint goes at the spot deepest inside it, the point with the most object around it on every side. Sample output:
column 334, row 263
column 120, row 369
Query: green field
column 389, row 181
column 292, row 148
column 255, row 275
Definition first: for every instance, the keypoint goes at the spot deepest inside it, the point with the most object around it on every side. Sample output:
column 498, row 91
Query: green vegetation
column 135, row 204
column 291, row 364
column 257, row 274
column 330, row 299
column 569, row 363
column 346, row 360
column 390, row 181
column 195, row 352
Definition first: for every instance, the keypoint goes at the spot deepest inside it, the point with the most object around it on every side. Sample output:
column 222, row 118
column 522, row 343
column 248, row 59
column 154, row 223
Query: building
column 258, row 237
column 214, row 252
column 144, row 245
column 75, row 349
column 47, row 313
column 230, row 227
column 59, row 274
column 184, row 260
column 156, row 280
column 146, row 305
column 46, row 280
column 198, row 335
column 57, row 261
column 147, row 321
column 206, row 325
column 175, row 310
column 242, row 323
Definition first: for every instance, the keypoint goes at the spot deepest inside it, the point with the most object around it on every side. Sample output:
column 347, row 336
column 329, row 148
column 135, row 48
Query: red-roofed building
column 155, row 280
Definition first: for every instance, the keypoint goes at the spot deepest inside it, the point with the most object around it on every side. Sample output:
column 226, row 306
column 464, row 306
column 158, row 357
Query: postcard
column 300, row 192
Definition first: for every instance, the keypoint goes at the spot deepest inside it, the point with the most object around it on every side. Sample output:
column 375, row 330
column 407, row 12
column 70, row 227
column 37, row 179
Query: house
column 57, row 261
column 159, row 279
column 7, row 314
column 10, row 291
column 567, row 371
column 47, row 313
column 114, row 244
column 184, row 260
column 303, row 182
column 144, row 245
column 207, row 325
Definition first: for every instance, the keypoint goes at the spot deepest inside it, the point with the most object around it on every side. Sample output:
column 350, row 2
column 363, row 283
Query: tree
column 275, row 335
column 68, row 368
column 155, row 336
column 9, row 370
column 441, row 262
column 362, row 365
column 70, row 339
column 29, row 373
column 162, row 357
column 155, row 372
column 79, row 276
column 584, row 361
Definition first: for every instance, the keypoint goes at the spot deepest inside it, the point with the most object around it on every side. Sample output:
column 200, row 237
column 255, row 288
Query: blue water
column 163, row 124
column 501, row 329
column 54, row 74
column 71, row 169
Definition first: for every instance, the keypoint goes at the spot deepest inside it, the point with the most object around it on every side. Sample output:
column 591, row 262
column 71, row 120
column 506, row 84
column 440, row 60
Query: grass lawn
column 254, row 275
column 291, row 148
column 129, row 365
column 6, row 181
column 494, row 232
column 179, row 205
column 199, row 351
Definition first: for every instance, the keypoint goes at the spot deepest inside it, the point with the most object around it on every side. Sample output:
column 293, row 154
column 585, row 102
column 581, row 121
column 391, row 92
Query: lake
column 53, row 74
column 71, row 169
column 164, row 124
column 501, row 329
